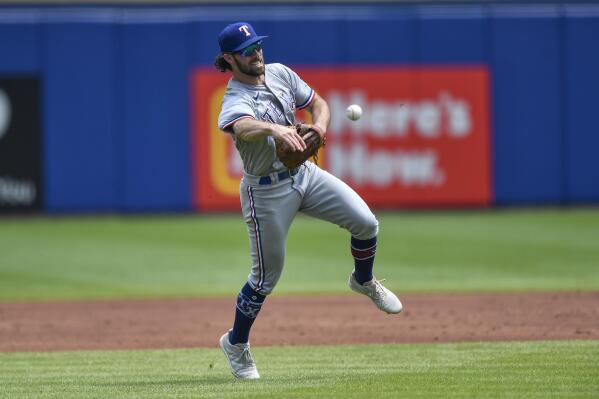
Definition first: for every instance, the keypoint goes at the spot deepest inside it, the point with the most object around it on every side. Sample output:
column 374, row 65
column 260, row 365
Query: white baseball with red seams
column 354, row 112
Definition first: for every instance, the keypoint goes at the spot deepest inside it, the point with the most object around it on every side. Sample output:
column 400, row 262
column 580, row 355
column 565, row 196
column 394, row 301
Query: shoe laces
column 379, row 289
column 246, row 356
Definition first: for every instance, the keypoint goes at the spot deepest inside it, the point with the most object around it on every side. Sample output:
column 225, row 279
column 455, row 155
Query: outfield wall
column 116, row 99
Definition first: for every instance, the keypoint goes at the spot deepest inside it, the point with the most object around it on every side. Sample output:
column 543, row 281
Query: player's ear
column 228, row 57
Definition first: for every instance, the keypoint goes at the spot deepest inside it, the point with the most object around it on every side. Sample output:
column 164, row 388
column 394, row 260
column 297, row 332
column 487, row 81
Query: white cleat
column 384, row 299
column 239, row 358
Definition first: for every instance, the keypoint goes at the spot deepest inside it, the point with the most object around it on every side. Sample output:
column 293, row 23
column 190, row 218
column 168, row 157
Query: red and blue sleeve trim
column 308, row 101
column 229, row 124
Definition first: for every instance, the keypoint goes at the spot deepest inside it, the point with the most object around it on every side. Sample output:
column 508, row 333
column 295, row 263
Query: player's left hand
column 308, row 132
column 313, row 137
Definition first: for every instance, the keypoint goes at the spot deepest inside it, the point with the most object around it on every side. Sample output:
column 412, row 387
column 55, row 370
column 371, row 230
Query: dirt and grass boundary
column 298, row 320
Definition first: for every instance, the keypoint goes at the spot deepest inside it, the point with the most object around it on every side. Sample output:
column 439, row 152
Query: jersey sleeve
column 234, row 108
column 304, row 94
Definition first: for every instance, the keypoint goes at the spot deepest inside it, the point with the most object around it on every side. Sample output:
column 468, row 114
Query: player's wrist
column 273, row 129
column 322, row 130
column 276, row 130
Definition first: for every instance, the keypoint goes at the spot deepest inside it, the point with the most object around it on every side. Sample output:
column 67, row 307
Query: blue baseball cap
column 237, row 36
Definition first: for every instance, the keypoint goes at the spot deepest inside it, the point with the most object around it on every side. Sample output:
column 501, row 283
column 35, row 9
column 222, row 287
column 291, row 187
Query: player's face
column 250, row 60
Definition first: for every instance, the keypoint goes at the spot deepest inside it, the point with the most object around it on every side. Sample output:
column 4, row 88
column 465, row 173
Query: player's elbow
column 249, row 129
column 243, row 130
column 241, row 135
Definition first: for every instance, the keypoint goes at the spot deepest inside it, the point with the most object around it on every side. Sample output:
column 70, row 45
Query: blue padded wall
column 390, row 40
column 155, row 117
column 440, row 29
column 582, row 94
column 20, row 48
column 78, row 101
column 527, row 103
column 116, row 110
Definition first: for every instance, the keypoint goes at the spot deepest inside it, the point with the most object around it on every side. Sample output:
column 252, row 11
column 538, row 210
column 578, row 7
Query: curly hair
column 221, row 65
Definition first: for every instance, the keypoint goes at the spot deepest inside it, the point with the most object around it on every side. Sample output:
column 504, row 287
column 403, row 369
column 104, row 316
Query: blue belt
column 264, row 180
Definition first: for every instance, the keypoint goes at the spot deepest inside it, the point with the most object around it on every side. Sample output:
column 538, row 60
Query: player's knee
column 267, row 275
column 266, row 289
column 367, row 228
column 263, row 286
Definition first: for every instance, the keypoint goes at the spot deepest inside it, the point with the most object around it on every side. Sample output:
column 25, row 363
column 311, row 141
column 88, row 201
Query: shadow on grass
column 200, row 380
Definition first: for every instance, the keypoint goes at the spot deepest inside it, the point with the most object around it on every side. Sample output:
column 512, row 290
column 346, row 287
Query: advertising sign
column 20, row 145
column 422, row 141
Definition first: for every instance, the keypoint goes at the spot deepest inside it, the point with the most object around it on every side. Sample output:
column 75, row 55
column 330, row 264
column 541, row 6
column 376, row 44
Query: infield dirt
column 298, row 320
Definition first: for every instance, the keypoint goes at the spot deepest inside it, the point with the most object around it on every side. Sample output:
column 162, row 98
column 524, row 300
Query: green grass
column 104, row 257
column 481, row 370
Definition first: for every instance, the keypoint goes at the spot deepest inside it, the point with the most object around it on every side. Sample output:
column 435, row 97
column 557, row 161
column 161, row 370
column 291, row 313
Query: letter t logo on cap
column 244, row 28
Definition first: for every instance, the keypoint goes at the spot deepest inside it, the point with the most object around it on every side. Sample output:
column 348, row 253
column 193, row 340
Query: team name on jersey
column 273, row 110
column 272, row 113
column 290, row 100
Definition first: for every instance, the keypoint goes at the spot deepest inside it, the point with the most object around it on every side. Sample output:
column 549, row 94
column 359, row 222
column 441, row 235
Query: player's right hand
column 288, row 134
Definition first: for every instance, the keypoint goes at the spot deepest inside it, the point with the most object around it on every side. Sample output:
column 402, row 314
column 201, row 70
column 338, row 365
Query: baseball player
column 258, row 109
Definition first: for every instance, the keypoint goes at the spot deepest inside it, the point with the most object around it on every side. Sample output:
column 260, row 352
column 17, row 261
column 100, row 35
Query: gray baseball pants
column 269, row 209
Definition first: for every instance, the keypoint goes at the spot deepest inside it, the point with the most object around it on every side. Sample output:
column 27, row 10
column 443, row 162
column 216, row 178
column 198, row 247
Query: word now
column 383, row 168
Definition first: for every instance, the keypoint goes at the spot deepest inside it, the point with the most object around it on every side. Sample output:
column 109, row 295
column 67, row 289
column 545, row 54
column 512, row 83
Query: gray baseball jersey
column 270, row 195
column 274, row 102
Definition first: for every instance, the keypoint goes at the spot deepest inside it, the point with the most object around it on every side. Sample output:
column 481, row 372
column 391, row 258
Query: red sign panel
column 423, row 138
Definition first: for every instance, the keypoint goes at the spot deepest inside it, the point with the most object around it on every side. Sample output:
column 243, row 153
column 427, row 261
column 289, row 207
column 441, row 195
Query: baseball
column 354, row 112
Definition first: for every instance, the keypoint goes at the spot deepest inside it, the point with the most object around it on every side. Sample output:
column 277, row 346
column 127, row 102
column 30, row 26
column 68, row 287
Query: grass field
column 180, row 256
column 97, row 257
column 489, row 370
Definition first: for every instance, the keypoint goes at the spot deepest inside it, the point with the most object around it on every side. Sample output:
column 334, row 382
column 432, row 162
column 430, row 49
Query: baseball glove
column 314, row 141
